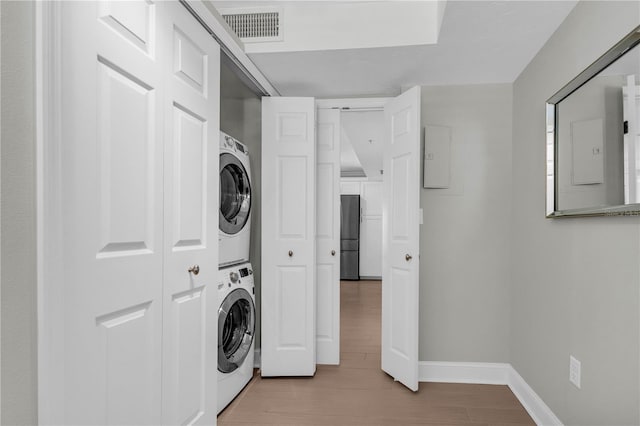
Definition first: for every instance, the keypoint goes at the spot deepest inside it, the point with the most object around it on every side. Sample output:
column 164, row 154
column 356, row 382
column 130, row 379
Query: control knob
column 234, row 277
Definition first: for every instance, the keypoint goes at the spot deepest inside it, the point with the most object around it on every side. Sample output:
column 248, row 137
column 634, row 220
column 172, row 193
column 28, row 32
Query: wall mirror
column 593, row 143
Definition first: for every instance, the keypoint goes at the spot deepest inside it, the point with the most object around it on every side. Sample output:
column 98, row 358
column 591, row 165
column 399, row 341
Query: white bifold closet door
column 139, row 185
column 191, row 199
column 328, row 237
column 288, row 237
column 401, row 231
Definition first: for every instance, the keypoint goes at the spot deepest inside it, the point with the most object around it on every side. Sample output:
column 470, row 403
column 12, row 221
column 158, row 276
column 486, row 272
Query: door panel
column 371, row 246
column 400, row 284
column 126, row 124
column 190, row 61
column 328, row 237
column 191, row 221
column 111, row 287
column 292, row 319
column 125, row 339
column 324, row 293
column 291, row 180
column 400, row 198
column 187, row 334
column 132, row 138
column 132, row 20
column 190, row 162
column 288, row 244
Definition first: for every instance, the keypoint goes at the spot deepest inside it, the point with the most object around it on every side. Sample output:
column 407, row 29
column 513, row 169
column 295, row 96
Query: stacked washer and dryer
column 237, row 312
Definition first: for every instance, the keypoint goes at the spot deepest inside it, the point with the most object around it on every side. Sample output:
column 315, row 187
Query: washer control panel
column 233, row 144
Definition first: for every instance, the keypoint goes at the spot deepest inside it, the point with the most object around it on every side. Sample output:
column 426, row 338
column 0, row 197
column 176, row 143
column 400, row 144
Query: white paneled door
column 328, row 237
column 288, row 237
column 191, row 111
column 138, row 156
column 401, row 203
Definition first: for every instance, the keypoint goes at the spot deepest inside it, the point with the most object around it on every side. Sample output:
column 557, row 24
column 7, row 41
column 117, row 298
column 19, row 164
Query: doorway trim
column 50, row 306
column 345, row 105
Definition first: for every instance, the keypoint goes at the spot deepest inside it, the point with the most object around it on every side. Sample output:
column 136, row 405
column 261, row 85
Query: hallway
column 357, row 392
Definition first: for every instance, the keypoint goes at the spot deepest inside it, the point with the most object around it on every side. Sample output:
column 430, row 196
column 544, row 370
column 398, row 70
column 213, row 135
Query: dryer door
column 235, row 194
column 236, row 327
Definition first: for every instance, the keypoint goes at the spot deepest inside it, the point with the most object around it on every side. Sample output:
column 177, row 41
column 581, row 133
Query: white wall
column 464, row 242
column 17, row 226
column 575, row 282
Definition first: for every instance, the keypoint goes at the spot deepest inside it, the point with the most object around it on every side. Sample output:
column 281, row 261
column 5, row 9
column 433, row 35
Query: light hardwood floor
column 358, row 393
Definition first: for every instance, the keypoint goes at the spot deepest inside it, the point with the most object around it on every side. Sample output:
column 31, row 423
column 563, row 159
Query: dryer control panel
column 235, row 276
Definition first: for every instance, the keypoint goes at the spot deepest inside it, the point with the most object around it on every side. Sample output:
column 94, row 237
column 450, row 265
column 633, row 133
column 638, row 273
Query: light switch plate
column 574, row 371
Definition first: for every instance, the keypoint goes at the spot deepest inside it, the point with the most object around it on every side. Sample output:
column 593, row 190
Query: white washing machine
column 235, row 202
column 236, row 328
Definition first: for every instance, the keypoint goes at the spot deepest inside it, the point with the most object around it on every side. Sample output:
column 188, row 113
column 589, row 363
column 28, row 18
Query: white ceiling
column 480, row 42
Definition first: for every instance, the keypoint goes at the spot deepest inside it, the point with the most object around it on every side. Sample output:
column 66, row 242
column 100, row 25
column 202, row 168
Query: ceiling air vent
column 253, row 26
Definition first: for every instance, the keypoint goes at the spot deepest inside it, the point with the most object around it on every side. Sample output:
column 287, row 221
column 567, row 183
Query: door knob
column 195, row 270
column 333, row 252
column 290, row 253
column 407, row 257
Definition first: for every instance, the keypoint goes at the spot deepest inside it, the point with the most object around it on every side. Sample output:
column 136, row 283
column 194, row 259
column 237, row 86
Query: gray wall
column 464, row 242
column 575, row 282
column 241, row 117
column 18, row 245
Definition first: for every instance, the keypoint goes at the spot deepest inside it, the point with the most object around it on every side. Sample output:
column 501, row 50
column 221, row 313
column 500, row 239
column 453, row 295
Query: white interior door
column 328, row 237
column 401, row 230
column 288, row 237
column 192, row 111
column 112, row 232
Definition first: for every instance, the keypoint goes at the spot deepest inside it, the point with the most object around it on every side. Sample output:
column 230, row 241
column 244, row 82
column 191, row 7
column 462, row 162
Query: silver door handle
column 333, row 252
column 290, row 253
column 195, row 270
column 407, row 257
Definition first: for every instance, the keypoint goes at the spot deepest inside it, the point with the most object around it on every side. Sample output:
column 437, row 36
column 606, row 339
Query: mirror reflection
column 593, row 151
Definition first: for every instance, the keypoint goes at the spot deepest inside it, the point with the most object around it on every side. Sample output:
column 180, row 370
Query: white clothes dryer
column 235, row 202
column 236, row 328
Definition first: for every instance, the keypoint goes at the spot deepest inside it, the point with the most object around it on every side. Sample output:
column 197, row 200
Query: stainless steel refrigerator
column 349, row 237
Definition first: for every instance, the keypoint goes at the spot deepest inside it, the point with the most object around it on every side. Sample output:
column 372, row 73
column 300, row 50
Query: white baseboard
column 535, row 406
column 490, row 374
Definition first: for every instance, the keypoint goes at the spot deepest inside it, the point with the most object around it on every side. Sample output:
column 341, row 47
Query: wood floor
column 358, row 393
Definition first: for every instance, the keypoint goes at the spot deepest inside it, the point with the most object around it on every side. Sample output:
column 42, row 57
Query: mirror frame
column 630, row 41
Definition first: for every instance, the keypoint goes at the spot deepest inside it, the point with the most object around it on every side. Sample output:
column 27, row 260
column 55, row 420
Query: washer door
column 236, row 326
column 235, row 194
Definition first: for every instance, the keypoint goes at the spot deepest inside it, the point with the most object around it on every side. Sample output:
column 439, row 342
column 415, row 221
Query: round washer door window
column 235, row 194
column 236, row 327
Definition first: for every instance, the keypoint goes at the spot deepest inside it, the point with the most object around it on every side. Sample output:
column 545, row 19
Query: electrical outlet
column 574, row 371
